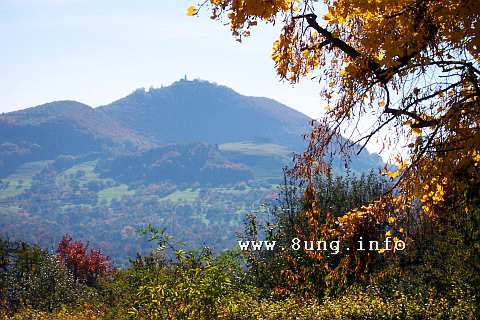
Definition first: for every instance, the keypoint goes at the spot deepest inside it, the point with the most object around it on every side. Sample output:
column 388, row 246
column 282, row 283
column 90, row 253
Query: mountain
column 182, row 113
column 201, row 111
column 56, row 128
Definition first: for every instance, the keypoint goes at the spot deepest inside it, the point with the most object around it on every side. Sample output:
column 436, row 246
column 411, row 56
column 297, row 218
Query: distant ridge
column 202, row 111
column 60, row 128
column 77, row 114
column 186, row 112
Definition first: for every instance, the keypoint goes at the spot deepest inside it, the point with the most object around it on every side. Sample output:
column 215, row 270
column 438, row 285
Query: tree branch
column 336, row 42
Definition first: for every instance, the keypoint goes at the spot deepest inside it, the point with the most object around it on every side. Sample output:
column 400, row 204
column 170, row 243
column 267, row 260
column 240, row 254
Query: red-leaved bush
column 85, row 266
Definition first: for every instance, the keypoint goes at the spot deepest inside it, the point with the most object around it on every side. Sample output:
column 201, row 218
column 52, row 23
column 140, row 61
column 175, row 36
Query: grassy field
column 187, row 195
column 255, row 149
column 266, row 160
column 84, row 173
column 21, row 179
column 243, row 190
column 88, row 173
column 114, row 193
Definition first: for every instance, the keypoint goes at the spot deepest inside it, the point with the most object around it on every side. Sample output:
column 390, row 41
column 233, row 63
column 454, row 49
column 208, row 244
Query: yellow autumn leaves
column 434, row 193
column 395, row 40
column 191, row 11
column 401, row 166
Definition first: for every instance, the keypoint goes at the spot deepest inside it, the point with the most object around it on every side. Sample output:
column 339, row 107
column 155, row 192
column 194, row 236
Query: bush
column 32, row 277
column 193, row 288
column 86, row 313
column 85, row 266
column 355, row 305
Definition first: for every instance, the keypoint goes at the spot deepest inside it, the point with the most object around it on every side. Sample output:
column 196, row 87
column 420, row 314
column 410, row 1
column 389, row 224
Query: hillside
column 62, row 127
column 201, row 111
column 191, row 163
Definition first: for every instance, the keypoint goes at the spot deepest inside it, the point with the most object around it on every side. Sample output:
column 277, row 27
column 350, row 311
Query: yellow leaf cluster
column 242, row 14
column 191, row 11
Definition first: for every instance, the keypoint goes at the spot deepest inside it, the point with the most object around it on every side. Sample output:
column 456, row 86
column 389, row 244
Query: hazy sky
column 98, row 51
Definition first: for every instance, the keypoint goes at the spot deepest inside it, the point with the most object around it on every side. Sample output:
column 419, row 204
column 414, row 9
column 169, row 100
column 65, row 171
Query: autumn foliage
column 85, row 265
column 409, row 71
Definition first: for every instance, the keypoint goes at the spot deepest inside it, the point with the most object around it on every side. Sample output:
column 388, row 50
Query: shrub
column 86, row 313
column 33, row 277
column 366, row 304
column 85, row 267
column 194, row 288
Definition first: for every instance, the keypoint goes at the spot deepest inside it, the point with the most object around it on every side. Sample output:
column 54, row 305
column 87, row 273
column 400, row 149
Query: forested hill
column 201, row 111
column 72, row 114
column 198, row 110
column 60, row 128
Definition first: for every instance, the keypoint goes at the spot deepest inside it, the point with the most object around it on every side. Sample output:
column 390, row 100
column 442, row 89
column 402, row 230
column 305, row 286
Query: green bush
column 194, row 287
column 32, row 277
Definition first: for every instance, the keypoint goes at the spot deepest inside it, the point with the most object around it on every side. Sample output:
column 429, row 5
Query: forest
column 410, row 69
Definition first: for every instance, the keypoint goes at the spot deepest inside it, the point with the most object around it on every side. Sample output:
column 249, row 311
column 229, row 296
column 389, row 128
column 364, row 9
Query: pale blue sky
column 96, row 51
